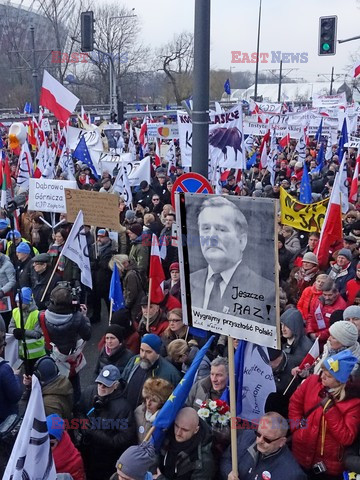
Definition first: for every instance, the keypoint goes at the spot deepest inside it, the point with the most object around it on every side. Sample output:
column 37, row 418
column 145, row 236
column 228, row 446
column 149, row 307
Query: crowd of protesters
column 99, row 429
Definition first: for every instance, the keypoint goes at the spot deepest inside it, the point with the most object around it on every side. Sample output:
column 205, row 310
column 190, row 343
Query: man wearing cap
column 350, row 242
column 111, row 427
column 173, row 284
column 135, row 463
column 341, row 272
column 100, row 257
column 145, row 194
column 140, row 249
column 148, row 364
column 107, row 186
column 153, row 316
column 160, row 187
column 4, row 230
column 40, row 276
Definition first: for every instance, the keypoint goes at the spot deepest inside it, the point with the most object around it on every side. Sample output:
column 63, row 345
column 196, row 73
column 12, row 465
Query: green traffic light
column 326, row 47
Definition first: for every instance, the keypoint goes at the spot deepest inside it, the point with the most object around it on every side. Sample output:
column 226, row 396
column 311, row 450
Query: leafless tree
column 176, row 59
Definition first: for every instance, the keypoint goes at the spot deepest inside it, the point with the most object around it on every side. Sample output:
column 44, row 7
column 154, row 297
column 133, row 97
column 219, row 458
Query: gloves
column 19, row 333
column 2, row 294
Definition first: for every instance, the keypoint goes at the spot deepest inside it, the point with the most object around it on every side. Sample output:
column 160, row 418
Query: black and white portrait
column 230, row 258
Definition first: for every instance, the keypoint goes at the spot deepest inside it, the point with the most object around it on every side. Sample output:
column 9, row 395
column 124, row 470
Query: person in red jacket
column 318, row 322
column 353, row 287
column 310, row 295
column 67, row 458
column 324, row 416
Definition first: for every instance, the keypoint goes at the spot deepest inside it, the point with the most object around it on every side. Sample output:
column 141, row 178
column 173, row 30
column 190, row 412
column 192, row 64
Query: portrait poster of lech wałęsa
column 229, row 265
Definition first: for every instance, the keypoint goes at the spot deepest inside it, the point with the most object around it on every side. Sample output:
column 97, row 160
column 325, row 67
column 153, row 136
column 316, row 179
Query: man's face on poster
column 221, row 240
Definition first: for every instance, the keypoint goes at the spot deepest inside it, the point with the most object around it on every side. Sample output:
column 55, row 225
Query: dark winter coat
column 58, row 397
column 101, row 273
column 133, row 290
column 10, row 390
column 24, row 272
column 38, row 285
column 120, row 359
column 65, row 329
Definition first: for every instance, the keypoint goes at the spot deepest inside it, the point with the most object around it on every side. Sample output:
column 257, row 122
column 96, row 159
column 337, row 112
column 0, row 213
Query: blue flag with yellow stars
column 227, row 87
column 81, row 153
column 305, row 187
column 166, row 417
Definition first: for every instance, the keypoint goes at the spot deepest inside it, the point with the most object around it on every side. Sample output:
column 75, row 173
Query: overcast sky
column 287, row 25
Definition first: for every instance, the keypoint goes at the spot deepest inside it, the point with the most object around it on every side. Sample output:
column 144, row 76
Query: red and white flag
column 157, row 153
column 156, row 273
column 263, row 150
column 356, row 69
column 355, row 183
column 58, row 99
column 284, row 141
column 143, row 130
column 331, row 230
column 311, row 356
column 84, row 116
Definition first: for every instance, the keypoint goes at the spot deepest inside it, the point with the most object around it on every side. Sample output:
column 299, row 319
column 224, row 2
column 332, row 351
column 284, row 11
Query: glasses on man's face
column 266, row 440
column 156, row 199
column 174, row 320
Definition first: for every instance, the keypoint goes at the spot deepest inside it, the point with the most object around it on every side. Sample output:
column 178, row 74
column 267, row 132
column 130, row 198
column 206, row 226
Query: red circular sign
column 192, row 183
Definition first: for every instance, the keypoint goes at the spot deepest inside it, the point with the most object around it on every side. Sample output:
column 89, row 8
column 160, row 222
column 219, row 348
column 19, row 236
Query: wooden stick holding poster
column 51, row 277
column 233, row 431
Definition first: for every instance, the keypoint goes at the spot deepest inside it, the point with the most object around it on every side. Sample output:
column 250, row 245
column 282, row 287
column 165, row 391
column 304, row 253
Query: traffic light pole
column 331, row 80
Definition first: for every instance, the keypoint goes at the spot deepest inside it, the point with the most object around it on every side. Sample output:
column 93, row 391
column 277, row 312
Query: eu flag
column 320, row 159
column 251, row 161
column 227, row 87
column 81, row 152
column 342, row 140
column 319, row 132
column 116, row 293
column 176, row 401
column 305, row 187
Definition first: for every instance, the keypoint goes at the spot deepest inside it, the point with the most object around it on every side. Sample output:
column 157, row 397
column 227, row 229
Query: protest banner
column 92, row 138
column 338, row 100
column 152, row 130
column 48, row 195
column 306, row 217
column 99, row 209
column 221, row 234
column 269, row 107
column 168, row 132
column 137, row 170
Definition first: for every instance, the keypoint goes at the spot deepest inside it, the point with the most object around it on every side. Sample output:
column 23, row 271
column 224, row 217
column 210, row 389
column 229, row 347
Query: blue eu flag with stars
column 81, row 153
column 227, row 87
column 116, row 293
column 305, row 187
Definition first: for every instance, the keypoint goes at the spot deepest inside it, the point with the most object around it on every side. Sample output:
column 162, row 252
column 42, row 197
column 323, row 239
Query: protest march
column 157, row 323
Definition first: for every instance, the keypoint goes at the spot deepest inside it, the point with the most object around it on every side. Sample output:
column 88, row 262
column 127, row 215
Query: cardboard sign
column 99, row 209
column 48, row 195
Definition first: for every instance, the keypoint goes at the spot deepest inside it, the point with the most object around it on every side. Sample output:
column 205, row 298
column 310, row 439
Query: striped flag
column 311, row 356
column 355, row 183
column 156, row 273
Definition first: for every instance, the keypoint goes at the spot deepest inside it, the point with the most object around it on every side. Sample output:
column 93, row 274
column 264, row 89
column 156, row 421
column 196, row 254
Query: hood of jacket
column 60, row 386
column 58, row 319
column 293, row 319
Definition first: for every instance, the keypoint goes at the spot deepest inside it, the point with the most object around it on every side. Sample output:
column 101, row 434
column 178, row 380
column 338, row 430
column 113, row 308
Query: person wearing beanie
column 135, row 463
column 352, row 314
column 111, row 423
column 23, row 264
column 310, row 295
column 139, row 250
column 353, row 287
column 342, row 271
column 343, row 335
column 67, row 458
column 333, row 424
column 14, row 240
column 153, row 318
column 155, row 392
column 303, row 277
column 32, row 333
column 172, row 285
column 114, row 351
column 147, row 364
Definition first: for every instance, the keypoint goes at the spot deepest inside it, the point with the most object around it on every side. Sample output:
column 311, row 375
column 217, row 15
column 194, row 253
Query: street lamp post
column 257, row 55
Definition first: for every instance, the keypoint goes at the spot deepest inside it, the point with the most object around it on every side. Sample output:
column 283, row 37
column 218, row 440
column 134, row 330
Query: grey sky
column 287, row 25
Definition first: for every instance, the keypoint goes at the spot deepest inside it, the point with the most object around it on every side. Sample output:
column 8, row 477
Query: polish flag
column 157, row 153
column 263, row 150
column 84, row 115
column 356, row 69
column 331, row 230
column 156, row 273
column 311, row 356
column 58, row 99
column 355, row 183
column 285, row 140
column 143, row 131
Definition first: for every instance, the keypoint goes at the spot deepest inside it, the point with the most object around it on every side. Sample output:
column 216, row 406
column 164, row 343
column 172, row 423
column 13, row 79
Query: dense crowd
column 97, row 431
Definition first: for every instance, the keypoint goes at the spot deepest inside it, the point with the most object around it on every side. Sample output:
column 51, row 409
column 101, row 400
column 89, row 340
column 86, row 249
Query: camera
column 74, row 291
column 319, row 467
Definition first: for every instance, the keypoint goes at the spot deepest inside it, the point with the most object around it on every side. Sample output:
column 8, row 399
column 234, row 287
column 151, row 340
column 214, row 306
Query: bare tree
column 176, row 59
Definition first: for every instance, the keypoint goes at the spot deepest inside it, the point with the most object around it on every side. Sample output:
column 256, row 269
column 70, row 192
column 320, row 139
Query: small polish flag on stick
column 311, row 356
column 58, row 99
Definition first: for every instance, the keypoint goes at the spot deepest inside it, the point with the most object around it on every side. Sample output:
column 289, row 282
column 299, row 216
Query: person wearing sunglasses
column 263, row 453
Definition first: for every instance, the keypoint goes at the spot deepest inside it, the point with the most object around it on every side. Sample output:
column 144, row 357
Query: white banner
column 330, row 101
column 168, row 132
column 92, row 138
column 122, row 185
column 137, row 171
column 152, row 130
column 258, row 382
column 265, row 107
column 76, row 249
column 12, row 349
column 31, row 455
column 48, row 195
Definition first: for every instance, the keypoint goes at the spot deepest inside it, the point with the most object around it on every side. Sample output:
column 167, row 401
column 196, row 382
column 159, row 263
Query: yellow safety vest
column 35, row 347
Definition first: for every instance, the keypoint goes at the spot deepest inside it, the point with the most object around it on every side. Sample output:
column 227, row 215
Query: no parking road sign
column 192, row 183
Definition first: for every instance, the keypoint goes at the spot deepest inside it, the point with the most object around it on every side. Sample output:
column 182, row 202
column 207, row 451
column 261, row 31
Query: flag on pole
column 76, row 249
column 251, row 161
column 355, row 183
column 6, row 185
column 263, row 150
column 343, row 139
column 319, row 132
column 227, row 87
column 284, row 141
column 31, row 455
column 122, row 185
column 356, row 69
column 56, row 98
column 81, row 152
column 301, row 147
column 66, row 164
column 320, row 159
column 116, row 292
column 166, row 416
column 156, row 273
column 157, row 153
column 143, row 131
column 305, row 187
column 343, row 181
column 25, row 169
column 170, row 157
column 311, row 356
column 84, row 116
column 331, row 230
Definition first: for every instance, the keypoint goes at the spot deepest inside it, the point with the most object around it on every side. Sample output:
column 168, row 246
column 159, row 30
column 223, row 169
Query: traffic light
column 327, row 35
column 87, row 31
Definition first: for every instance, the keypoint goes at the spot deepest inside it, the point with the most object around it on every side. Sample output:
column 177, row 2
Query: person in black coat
column 285, row 258
column 40, row 275
column 111, row 425
column 352, row 457
column 24, row 264
column 114, row 351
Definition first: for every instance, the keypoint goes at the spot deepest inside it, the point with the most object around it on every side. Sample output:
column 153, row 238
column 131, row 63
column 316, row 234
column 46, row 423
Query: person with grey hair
column 223, row 231
column 211, row 387
column 352, row 314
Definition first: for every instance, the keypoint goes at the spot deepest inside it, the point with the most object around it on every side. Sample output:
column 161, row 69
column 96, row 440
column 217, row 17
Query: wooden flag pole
column 148, row 307
column 148, row 435
column 287, row 388
column 51, row 277
column 111, row 307
column 234, row 457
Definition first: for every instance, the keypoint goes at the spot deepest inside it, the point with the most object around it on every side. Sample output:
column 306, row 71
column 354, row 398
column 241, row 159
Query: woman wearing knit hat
column 341, row 270
column 324, row 415
column 114, row 351
column 155, row 392
column 343, row 336
column 352, row 314
column 305, row 276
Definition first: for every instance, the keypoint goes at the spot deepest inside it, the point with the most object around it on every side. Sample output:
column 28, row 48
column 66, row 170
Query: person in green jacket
column 32, row 333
